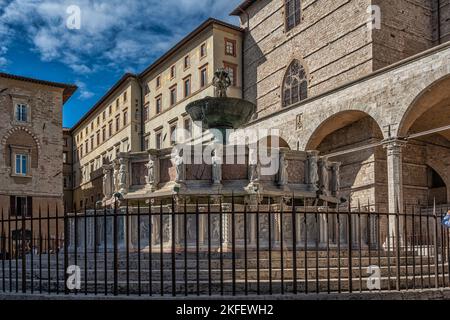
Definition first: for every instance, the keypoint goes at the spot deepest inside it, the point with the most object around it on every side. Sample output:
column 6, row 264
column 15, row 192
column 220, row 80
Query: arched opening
column 273, row 142
column 20, row 142
column 426, row 158
column 344, row 138
column 437, row 188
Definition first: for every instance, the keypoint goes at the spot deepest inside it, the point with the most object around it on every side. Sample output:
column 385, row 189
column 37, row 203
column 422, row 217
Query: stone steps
column 133, row 262
column 323, row 285
column 265, row 273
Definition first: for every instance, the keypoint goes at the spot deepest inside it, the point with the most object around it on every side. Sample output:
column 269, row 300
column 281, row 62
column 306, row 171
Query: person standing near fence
column 446, row 220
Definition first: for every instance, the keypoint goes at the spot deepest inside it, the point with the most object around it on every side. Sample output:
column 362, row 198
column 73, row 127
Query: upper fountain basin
column 221, row 112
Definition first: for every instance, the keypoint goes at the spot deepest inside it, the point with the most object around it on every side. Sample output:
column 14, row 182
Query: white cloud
column 114, row 33
column 84, row 93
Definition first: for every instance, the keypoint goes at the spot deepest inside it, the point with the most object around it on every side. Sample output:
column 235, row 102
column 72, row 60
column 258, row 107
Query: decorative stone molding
column 21, row 128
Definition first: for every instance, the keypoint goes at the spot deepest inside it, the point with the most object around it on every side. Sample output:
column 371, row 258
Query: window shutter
column 29, row 206
column 12, row 206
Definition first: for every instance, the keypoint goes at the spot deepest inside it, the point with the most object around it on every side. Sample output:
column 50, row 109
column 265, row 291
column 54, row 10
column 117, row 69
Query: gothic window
column 293, row 13
column 295, row 86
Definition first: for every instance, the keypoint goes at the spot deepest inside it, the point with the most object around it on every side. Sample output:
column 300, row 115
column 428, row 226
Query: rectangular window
column 232, row 72
column 21, row 206
column 187, row 87
column 92, row 126
column 203, row 77
column 172, row 72
column 293, row 13
column 158, row 105
column 158, row 81
column 81, row 151
column 230, row 47
column 117, row 123
column 98, row 138
column 117, row 104
column 173, row 138
column 92, row 143
column 145, row 113
column 173, row 96
column 158, row 140
column 110, row 127
column 22, row 113
column 203, row 50
column 21, row 164
column 65, row 156
column 104, row 115
column 104, row 134
column 125, row 96
column 146, row 145
column 125, row 118
column 110, row 110
column 187, row 62
column 98, row 121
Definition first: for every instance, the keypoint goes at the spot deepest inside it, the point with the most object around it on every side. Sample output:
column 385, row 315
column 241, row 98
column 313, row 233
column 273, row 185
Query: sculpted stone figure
column 123, row 172
column 313, row 168
column 336, row 178
column 216, row 168
column 107, row 190
column 180, row 167
column 325, row 177
column 150, row 178
column 116, row 176
column 283, row 176
column 253, row 175
column 221, row 81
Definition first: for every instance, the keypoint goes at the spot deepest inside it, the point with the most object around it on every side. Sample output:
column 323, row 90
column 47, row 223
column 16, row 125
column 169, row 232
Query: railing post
column 294, row 246
column 350, row 247
column 115, row 245
column 24, row 261
column 66, row 254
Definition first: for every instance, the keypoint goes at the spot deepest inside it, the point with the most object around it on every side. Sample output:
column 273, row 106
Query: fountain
column 221, row 112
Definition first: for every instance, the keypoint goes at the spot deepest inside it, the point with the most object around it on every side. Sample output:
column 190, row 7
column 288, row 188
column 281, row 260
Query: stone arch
column 347, row 131
column 334, row 123
column 18, row 129
column 269, row 140
column 443, row 172
column 434, row 95
column 23, row 138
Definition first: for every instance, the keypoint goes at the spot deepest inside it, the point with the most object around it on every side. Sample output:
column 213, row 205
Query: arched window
column 295, row 86
column 293, row 13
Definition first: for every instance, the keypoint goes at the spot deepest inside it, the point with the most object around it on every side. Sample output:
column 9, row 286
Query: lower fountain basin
column 221, row 112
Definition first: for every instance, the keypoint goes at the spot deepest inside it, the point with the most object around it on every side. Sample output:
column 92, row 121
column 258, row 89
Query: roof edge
column 121, row 81
column 69, row 89
column 209, row 22
column 242, row 7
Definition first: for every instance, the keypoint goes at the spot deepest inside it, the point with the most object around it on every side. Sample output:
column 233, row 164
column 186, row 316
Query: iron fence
column 223, row 248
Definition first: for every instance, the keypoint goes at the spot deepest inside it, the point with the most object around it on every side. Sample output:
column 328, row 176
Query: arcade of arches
column 419, row 161
column 390, row 131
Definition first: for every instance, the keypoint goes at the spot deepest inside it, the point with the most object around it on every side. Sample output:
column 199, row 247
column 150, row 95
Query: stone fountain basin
column 221, row 112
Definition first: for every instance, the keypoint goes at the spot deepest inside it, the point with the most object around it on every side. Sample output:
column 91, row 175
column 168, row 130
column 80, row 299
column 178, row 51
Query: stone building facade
column 68, row 169
column 362, row 82
column 144, row 111
column 31, row 149
column 361, row 87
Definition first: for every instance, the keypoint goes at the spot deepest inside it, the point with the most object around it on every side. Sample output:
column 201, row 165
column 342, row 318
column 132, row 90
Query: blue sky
column 115, row 36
